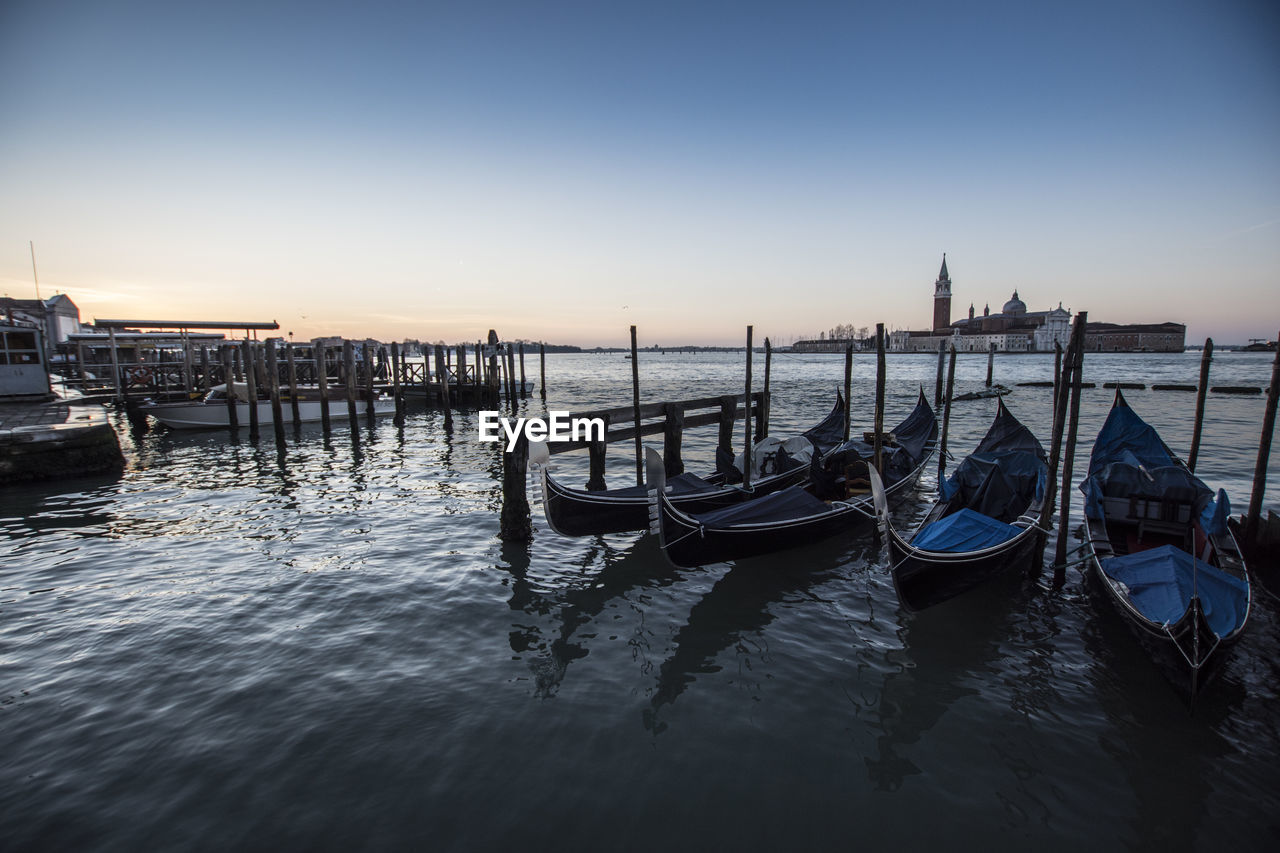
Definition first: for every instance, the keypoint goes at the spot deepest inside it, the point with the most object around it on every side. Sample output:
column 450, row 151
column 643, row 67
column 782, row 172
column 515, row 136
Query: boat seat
column 1162, row 515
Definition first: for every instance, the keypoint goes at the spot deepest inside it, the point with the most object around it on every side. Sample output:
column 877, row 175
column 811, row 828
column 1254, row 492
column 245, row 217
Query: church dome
column 1015, row 305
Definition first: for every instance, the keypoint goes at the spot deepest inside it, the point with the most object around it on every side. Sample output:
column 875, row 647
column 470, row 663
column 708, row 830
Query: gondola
column 580, row 512
column 986, row 518
column 837, row 498
column 1160, row 547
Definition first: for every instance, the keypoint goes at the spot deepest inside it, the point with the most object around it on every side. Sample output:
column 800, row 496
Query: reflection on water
column 324, row 643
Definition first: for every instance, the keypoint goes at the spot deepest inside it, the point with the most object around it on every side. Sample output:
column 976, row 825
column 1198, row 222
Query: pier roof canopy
column 182, row 324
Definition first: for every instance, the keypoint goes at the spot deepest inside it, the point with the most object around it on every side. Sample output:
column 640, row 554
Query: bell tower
column 942, row 298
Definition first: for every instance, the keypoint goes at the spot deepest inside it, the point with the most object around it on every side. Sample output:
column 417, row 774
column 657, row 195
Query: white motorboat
column 211, row 411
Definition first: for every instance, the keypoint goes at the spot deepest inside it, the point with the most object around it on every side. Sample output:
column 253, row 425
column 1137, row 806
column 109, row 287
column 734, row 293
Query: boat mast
column 34, row 274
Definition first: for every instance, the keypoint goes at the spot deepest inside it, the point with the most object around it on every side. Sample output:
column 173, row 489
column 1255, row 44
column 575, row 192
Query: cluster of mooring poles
column 670, row 418
column 330, row 374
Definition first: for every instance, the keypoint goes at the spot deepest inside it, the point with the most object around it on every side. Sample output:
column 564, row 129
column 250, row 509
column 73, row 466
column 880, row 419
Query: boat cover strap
column 963, row 530
column 1161, row 582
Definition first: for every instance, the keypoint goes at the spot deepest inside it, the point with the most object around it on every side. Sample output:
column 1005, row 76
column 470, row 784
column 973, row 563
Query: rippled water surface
column 326, row 646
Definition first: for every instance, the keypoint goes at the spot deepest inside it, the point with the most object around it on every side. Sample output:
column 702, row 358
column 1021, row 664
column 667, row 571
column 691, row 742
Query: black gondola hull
column 924, row 579
column 575, row 512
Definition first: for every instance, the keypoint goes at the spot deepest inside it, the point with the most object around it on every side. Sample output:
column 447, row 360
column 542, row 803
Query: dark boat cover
column 791, row 502
column 912, row 435
column 680, row 484
column 830, row 431
column 964, row 530
column 1161, row 582
column 1130, row 459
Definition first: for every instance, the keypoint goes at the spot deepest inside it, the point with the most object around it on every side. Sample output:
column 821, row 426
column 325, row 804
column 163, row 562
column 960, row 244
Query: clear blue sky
column 563, row 170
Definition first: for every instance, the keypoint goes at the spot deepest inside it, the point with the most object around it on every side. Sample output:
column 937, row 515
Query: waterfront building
column 1015, row 329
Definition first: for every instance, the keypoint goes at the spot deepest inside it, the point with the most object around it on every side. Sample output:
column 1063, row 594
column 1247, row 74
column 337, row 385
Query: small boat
column 1161, row 548
column 986, row 518
column 836, row 499
column 984, row 394
column 211, row 410
column 776, row 465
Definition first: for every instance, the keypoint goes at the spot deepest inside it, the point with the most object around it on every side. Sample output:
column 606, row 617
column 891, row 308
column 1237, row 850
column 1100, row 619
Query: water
column 327, row 647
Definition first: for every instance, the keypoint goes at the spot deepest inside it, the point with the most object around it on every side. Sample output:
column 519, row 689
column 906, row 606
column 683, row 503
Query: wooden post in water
column 273, row 389
column 1264, row 455
column 937, row 385
column 746, row 428
column 1057, row 373
column 595, row 458
column 115, row 365
column 511, row 378
column 1205, row 358
column 293, row 385
column 206, row 379
column 542, row 361
column 848, row 389
column 877, row 446
column 251, row 381
column 635, row 405
column 446, row 398
column 515, row 524
column 762, row 425
column 672, row 437
column 233, row 418
column 728, row 407
column 494, row 380
column 395, row 382
column 369, row 409
column 349, row 367
column 523, row 392
column 188, row 366
column 1060, row 398
column 946, row 414
column 1068, row 455
column 991, row 361
column 321, row 358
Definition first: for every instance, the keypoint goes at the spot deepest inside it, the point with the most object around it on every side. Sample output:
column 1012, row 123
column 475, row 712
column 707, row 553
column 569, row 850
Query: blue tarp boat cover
column 1130, row 459
column 1125, row 437
column 792, row 502
column 964, row 530
column 1161, row 583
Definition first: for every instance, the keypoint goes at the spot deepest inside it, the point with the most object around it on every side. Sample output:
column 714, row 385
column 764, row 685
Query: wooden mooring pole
column 746, row 442
column 233, row 417
column 848, row 389
column 1069, row 452
column 293, row 385
column 762, row 426
column 349, row 369
column 251, row 381
column 991, row 362
column 321, row 358
column 369, row 409
column 937, row 385
column 395, row 383
column 946, row 414
column 877, row 446
column 1264, row 454
column 523, row 392
column 1205, row 359
column 672, row 438
column 1062, row 370
column 273, row 389
column 542, row 361
column 515, row 524
column 635, row 404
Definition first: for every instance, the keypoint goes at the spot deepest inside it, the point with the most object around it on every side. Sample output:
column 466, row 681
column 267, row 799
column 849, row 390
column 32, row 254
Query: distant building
column 1015, row 329
column 56, row 317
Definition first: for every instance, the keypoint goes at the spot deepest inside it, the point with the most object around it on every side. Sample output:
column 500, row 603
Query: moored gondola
column 838, row 498
column 581, row 512
column 985, row 520
column 1161, row 549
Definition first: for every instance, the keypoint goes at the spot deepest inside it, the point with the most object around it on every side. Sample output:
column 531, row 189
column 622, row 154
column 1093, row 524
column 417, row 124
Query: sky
column 561, row 171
